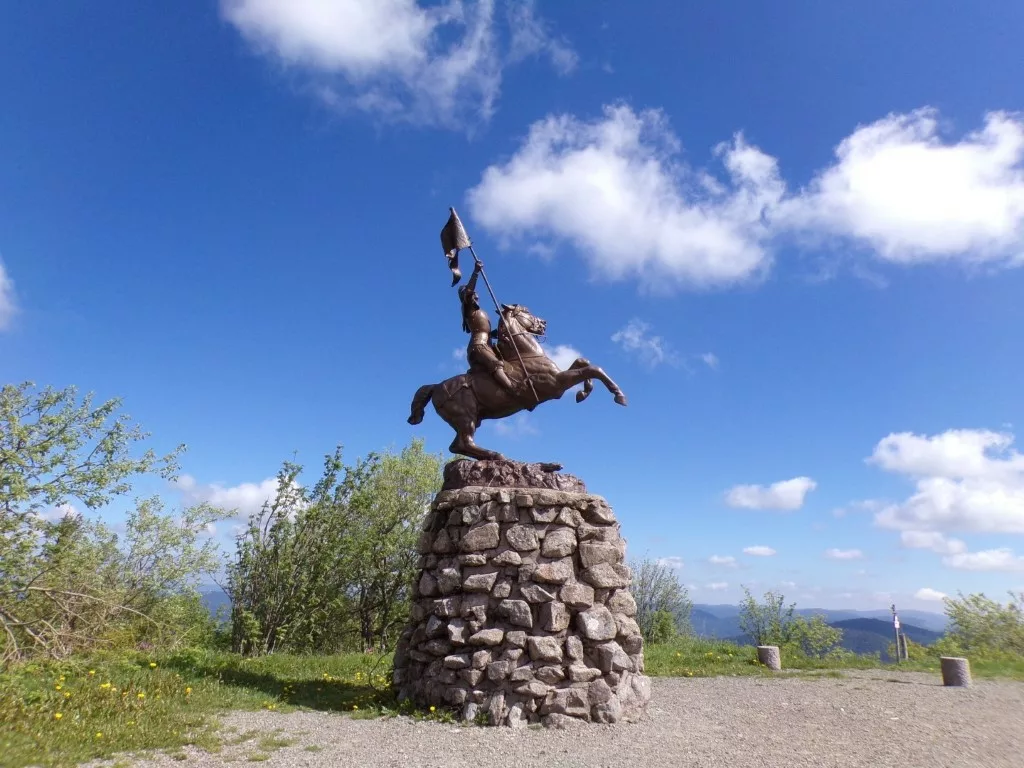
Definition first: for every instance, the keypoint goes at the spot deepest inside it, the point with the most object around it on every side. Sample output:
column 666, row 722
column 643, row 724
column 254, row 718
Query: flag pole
column 497, row 308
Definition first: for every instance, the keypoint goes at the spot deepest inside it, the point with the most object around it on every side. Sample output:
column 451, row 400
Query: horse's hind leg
column 461, row 416
column 464, row 444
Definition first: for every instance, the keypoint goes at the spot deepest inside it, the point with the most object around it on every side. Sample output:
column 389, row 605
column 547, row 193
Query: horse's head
column 520, row 317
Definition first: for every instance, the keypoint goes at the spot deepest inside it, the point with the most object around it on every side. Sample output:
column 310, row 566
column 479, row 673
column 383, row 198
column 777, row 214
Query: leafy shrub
column 661, row 601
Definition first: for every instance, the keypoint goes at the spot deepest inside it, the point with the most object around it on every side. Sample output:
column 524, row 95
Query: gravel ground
column 877, row 719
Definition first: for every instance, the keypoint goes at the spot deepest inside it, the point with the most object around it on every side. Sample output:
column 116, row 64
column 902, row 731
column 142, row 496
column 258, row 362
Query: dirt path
column 867, row 719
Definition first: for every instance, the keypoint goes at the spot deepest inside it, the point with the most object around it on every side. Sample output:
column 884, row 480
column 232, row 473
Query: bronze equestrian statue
column 502, row 380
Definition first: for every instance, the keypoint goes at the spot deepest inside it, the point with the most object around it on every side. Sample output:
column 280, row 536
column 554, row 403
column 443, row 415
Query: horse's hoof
column 581, row 396
column 620, row 399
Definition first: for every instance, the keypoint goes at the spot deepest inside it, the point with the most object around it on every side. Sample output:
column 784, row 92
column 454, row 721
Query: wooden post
column 896, row 633
column 769, row 656
column 956, row 671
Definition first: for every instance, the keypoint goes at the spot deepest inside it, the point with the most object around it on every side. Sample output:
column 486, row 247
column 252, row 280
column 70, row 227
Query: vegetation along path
column 864, row 718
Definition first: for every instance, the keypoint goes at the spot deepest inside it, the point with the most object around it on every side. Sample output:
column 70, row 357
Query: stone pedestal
column 956, row 671
column 522, row 607
column 769, row 656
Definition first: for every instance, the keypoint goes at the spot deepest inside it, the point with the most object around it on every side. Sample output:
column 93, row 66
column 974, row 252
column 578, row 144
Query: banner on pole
column 453, row 240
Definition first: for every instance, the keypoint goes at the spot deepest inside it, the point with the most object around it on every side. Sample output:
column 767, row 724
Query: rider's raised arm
column 471, row 283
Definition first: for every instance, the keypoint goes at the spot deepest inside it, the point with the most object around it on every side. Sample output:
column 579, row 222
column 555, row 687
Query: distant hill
column 867, row 636
column 722, row 621
column 874, row 635
column 216, row 598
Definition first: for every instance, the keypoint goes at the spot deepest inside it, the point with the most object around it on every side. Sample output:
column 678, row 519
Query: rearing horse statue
column 464, row 401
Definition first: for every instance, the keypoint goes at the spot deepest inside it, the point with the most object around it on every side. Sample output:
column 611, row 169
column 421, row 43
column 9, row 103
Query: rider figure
column 477, row 324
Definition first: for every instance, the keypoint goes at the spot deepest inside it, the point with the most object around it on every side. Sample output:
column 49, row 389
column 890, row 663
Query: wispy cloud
column 759, row 551
column 675, row 563
column 710, row 360
column 518, row 426
column 8, row 305
column 563, row 355
column 784, row 495
column 929, row 594
column 718, row 586
column 636, row 338
column 400, row 60
column 843, row 554
column 727, row 561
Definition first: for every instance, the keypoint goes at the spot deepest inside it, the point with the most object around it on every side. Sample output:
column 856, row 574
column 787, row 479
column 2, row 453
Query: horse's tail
column 419, row 402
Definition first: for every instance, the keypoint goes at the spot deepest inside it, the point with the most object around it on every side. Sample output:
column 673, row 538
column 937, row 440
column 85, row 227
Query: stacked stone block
column 522, row 611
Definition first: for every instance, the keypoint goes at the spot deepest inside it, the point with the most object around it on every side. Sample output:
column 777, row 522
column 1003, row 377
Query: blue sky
column 793, row 235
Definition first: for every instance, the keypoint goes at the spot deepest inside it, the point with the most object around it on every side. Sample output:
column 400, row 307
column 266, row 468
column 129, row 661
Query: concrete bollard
column 955, row 671
column 769, row 656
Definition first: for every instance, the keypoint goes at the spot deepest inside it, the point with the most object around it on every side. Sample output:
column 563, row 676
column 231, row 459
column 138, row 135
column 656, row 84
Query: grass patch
column 699, row 657
column 62, row 714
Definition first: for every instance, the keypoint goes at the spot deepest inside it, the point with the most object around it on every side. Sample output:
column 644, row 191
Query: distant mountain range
column 863, row 631
column 722, row 621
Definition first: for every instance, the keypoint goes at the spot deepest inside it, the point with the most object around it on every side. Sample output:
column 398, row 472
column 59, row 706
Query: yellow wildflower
column 57, row 687
column 188, row 691
column 130, row 722
column 67, row 694
column 104, row 686
column 355, row 706
column 432, row 708
column 141, row 696
column 99, row 735
column 57, row 715
column 92, row 672
column 152, row 665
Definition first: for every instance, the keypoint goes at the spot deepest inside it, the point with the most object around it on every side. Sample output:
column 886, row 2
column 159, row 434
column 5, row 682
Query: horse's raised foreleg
column 588, row 384
column 574, row 376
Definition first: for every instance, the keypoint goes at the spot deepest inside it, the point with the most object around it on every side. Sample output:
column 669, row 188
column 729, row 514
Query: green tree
column 658, row 594
column 331, row 567
column 766, row 623
column 813, row 636
column 68, row 583
column 774, row 623
column 980, row 624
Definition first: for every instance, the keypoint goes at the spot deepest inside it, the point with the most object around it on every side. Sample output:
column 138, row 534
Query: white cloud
column 531, row 37
column 519, row 426
column 929, row 594
column 788, row 584
column 244, row 498
column 429, row 63
column 957, row 453
column 843, row 554
column 1002, row 559
column 59, row 512
column 785, row 494
column 635, row 337
column 613, row 188
column 932, row 540
column 718, row 586
column 563, row 354
column 727, row 561
column 671, row 562
column 966, row 480
column 759, row 551
column 710, row 360
column 8, row 306
column 899, row 188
